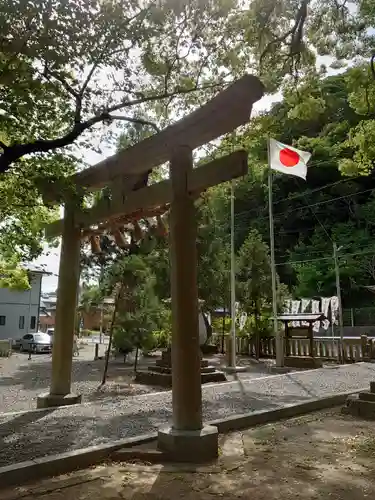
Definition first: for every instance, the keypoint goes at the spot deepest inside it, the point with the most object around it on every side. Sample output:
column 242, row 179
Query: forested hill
column 331, row 118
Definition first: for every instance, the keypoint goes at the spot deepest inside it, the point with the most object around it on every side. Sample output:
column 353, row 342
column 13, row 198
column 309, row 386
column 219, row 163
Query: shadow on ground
column 46, row 433
column 37, row 374
column 315, row 457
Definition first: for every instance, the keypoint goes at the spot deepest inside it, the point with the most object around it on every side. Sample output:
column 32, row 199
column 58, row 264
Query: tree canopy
column 330, row 205
column 70, row 72
column 66, row 67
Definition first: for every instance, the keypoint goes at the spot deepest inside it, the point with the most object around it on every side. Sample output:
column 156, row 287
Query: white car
column 38, row 342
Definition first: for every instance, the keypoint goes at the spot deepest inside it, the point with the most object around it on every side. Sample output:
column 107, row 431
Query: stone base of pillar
column 189, row 446
column 48, row 400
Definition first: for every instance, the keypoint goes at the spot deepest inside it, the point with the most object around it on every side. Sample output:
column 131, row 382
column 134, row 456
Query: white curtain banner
column 242, row 321
column 334, row 309
column 288, row 306
column 295, row 309
column 236, row 308
column 315, row 308
column 304, row 307
column 325, row 308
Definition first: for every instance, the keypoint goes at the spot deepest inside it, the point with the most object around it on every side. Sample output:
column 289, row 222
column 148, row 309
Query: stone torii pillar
column 65, row 316
column 187, row 438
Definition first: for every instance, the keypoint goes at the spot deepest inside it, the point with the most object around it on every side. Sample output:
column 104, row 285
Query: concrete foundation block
column 305, row 362
column 351, row 405
column 234, row 369
column 152, row 377
column 48, row 400
column 360, row 407
column 367, row 396
column 279, row 369
column 189, row 446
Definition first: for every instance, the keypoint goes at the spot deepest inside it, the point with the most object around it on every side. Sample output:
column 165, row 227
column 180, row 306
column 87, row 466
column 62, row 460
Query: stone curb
column 53, row 465
column 238, row 422
column 62, row 463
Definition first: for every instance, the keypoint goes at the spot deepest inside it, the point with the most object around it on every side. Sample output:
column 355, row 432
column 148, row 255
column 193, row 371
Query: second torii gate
column 187, row 438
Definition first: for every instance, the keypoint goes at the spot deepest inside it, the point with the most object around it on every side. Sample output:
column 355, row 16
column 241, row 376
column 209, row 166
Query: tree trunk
column 136, row 360
column 223, row 332
column 111, row 335
column 257, row 333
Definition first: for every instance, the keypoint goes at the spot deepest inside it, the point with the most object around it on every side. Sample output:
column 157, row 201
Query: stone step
column 359, row 407
column 161, row 362
column 159, row 369
column 367, row 396
column 167, row 369
column 215, row 376
column 165, row 379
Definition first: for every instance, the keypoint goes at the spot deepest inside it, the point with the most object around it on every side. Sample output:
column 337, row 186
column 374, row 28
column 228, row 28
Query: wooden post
column 311, row 340
column 287, row 339
column 364, row 347
column 65, row 316
column 186, row 361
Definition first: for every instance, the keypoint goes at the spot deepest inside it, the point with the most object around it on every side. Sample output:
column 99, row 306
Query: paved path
column 29, row 435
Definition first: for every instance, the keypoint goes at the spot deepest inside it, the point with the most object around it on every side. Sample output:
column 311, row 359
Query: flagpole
column 278, row 339
column 232, row 279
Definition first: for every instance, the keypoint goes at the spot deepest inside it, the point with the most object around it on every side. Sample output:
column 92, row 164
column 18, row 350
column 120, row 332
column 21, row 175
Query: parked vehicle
column 38, row 342
column 51, row 332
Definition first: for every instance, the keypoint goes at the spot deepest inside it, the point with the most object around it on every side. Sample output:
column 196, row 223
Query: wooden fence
column 354, row 348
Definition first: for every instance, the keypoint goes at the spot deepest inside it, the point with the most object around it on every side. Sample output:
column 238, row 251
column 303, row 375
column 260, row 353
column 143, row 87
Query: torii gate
column 187, row 439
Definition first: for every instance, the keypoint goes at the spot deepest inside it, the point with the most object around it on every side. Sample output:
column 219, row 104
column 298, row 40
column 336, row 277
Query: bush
column 162, row 339
column 217, row 324
column 264, row 326
column 121, row 340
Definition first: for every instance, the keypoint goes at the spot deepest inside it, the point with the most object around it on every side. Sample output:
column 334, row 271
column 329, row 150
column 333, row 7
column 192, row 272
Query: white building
column 19, row 310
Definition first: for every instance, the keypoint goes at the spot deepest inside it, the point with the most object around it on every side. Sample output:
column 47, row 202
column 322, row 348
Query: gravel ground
column 22, row 380
column 30, row 435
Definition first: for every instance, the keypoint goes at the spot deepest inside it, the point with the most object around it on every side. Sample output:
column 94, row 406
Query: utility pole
column 232, row 280
column 101, row 323
column 277, row 333
column 338, row 293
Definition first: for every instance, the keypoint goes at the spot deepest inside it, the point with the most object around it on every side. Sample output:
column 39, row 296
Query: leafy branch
column 16, row 151
column 295, row 34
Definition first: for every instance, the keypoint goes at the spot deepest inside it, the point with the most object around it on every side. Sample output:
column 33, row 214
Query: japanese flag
column 287, row 159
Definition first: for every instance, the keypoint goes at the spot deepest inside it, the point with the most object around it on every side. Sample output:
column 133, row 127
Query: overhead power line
column 354, row 254
column 241, row 215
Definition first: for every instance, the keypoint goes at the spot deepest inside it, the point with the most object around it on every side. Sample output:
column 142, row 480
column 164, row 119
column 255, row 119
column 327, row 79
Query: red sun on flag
column 289, row 158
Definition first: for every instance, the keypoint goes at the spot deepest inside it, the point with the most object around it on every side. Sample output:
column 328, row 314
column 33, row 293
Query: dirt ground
column 321, row 456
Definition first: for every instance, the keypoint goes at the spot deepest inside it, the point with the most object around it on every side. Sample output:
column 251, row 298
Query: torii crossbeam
column 187, row 438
